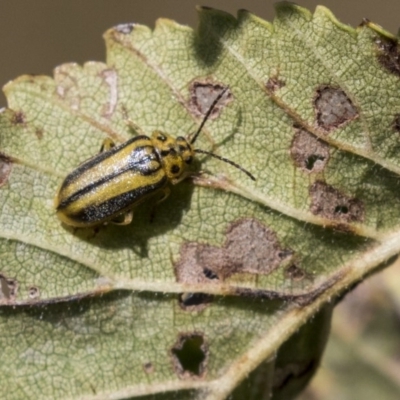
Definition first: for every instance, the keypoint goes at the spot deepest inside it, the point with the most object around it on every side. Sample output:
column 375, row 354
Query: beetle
column 108, row 186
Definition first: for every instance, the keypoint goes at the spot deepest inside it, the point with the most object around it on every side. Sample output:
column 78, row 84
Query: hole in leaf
column 194, row 301
column 190, row 355
column 209, row 274
column 33, row 292
column 249, row 247
column 308, row 152
column 5, row 169
column 329, row 202
column 341, row 209
column 310, row 162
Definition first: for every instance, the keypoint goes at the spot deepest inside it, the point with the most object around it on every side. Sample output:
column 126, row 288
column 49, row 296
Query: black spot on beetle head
column 175, row 169
column 161, row 138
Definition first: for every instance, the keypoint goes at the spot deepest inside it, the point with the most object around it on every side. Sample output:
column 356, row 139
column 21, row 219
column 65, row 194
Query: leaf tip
column 285, row 9
column 209, row 12
column 244, row 15
column 167, row 24
column 322, row 12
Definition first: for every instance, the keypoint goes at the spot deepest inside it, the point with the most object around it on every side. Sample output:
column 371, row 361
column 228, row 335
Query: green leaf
column 225, row 268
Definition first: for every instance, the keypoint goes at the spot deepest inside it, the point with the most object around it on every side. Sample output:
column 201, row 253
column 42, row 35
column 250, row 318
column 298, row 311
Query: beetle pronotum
column 110, row 184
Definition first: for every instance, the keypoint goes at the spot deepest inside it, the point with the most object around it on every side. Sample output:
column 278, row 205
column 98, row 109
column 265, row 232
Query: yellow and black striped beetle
column 109, row 185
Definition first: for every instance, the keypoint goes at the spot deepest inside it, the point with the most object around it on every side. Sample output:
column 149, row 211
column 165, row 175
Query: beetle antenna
column 227, row 161
column 208, row 113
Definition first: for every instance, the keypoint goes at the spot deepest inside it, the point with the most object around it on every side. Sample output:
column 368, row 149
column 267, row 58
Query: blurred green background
column 362, row 360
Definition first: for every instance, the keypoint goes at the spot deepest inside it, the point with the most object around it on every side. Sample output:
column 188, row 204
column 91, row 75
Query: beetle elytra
column 109, row 185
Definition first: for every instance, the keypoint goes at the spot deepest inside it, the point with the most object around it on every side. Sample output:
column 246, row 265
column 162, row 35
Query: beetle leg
column 166, row 193
column 127, row 219
column 186, row 174
column 107, row 145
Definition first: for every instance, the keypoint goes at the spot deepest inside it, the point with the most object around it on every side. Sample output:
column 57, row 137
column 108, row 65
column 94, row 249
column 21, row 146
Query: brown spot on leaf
column 19, row 118
column 5, row 169
column 197, row 264
column 308, row 152
column 333, row 108
column 388, row 54
column 190, row 355
column 110, row 79
column 33, row 292
column 273, row 84
column 197, row 258
column 396, row 123
column 329, row 202
column 294, row 272
column 202, row 96
column 68, row 87
column 8, row 289
column 148, row 368
column 250, row 247
column 39, row 133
